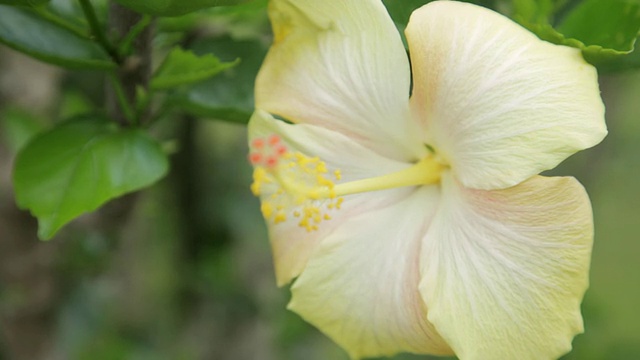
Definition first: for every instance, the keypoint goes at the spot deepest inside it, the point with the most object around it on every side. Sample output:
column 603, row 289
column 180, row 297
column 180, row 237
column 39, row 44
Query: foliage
column 182, row 67
column 605, row 30
column 174, row 7
column 25, row 30
column 78, row 165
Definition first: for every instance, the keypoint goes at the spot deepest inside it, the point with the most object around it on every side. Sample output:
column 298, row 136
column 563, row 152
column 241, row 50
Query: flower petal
column 504, row 272
column 340, row 65
column 499, row 104
column 361, row 285
column 291, row 244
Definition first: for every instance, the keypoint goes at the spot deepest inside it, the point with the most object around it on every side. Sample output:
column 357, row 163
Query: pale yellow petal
column 361, row 285
column 340, row 65
column 504, row 271
column 499, row 104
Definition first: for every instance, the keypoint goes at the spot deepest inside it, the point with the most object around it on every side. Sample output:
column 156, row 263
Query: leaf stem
column 126, row 43
column 98, row 31
column 126, row 108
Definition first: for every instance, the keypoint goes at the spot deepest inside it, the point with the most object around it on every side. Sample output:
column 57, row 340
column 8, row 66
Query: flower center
column 295, row 184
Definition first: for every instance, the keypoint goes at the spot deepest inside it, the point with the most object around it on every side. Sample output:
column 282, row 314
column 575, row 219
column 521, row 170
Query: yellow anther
column 301, row 186
column 267, row 209
column 291, row 183
column 280, row 217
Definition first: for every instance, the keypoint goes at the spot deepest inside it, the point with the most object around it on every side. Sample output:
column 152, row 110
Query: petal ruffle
column 504, row 272
column 291, row 244
column 499, row 104
column 361, row 285
column 340, row 65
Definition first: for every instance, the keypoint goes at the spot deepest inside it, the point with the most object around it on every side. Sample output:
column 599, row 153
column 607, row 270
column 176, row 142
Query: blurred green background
column 183, row 270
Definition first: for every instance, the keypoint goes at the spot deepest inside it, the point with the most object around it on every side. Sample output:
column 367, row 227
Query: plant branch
column 97, row 31
column 135, row 68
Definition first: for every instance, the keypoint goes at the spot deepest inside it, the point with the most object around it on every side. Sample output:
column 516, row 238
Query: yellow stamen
column 293, row 183
column 425, row 172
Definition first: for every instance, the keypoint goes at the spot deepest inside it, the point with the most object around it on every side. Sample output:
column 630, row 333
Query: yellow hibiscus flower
column 406, row 200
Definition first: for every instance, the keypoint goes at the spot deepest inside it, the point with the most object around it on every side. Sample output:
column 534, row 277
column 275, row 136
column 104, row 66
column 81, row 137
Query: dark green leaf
column 174, row 7
column 228, row 96
column 182, row 67
column 79, row 166
column 25, row 3
column 604, row 24
column 615, row 63
column 605, row 30
column 31, row 34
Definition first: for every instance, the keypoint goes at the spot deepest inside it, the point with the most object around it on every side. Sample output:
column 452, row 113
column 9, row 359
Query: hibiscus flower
column 404, row 200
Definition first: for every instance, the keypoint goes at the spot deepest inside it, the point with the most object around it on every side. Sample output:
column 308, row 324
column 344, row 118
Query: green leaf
column 228, row 96
column 534, row 11
column 18, row 126
column 614, row 64
column 610, row 25
column 604, row 30
column 182, row 67
column 45, row 40
column 174, row 7
column 24, row 3
column 80, row 165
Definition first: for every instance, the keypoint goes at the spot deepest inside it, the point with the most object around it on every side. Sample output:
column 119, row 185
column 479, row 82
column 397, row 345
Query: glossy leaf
column 80, row 165
column 183, row 67
column 248, row 20
column 24, row 3
column 33, row 35
column 228, row 96
column 174, row 7
column 605, row 30
column 609, row 24
column 615, row 63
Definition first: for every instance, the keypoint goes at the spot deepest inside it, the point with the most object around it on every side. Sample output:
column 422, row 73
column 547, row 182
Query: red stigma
column 258, row 143
column 255, row 158
column 274, row 139
column 281, row 150
column 272, row 161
